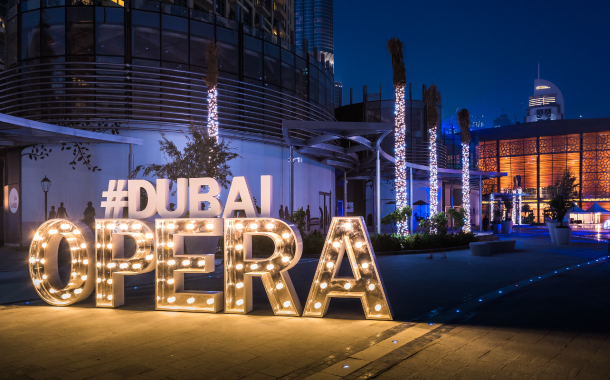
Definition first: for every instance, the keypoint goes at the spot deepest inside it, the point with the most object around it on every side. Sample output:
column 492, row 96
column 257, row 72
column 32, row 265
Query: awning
column 597, row 209
column 16, row 131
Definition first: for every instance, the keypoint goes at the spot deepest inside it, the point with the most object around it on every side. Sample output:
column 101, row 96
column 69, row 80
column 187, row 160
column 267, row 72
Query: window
column 302, row 77
column 80, row 31
column 201, row 35
column 253, row 57
column 272, row 64
column 53, row 32
column 110, row 36
column 287, row 70
column 174, row 39
column 30, row 35
column 227, row 42
column 145, row 34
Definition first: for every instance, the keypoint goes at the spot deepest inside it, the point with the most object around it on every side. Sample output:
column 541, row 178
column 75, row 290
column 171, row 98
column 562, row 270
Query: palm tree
column 400, row 81
column 464, row 120
column 431, row 100
column 211, row 80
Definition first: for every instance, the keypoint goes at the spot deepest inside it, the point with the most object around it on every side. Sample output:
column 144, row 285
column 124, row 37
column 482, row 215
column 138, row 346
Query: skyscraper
column 314, row 22
column 338, row 94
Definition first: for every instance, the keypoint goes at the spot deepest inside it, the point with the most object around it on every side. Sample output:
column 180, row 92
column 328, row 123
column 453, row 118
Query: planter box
column 562, row 235
column 496, row 228
column 507, row 226
column 551, row 226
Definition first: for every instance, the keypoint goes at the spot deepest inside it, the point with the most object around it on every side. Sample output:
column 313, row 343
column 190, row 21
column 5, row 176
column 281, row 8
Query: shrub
column 313, row 243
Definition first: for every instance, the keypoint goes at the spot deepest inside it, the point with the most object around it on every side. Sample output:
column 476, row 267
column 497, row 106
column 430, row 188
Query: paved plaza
column 540, row 312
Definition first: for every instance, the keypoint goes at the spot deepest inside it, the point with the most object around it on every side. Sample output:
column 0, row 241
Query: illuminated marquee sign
column 99, row 262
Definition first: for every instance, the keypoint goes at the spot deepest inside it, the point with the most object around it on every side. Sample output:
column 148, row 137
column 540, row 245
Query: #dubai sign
column 98, row 261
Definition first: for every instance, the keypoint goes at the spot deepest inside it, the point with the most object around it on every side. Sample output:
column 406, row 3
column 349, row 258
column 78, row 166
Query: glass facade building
column 541, row 155
column 314, row 22
column 104, row 63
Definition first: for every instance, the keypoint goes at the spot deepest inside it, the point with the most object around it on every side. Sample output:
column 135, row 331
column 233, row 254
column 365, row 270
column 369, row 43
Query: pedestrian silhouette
column 308, row 218
column 61, row 211
column 89, row 215
column 322, row 221
column 52, row 213
column 286, row 213
column 281, row 211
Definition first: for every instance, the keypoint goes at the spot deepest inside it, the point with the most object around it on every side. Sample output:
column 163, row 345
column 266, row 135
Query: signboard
column 98, row 263
column 13, row 200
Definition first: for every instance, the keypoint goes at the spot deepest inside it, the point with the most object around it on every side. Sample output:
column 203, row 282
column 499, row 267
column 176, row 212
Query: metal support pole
column 378, row 193
column 481, row 203
column 45, row 207
column 130, row 161
column 291, row 179
column 451, row 199
column 344, row 193
column 411, row 226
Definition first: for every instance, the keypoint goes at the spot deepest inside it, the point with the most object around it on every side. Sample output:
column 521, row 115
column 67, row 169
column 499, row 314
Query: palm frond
column 398, row 65
column 464, row 121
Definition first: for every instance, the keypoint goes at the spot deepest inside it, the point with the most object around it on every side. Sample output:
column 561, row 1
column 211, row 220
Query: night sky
column 482, row 55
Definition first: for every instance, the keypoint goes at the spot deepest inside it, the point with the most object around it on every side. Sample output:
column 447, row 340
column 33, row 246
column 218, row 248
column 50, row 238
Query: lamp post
column 46, row 185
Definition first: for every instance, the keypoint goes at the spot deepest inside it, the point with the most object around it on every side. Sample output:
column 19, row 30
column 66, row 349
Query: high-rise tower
column 314, row 22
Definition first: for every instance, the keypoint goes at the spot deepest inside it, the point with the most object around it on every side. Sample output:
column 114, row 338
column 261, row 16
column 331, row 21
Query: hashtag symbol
column 115, row 196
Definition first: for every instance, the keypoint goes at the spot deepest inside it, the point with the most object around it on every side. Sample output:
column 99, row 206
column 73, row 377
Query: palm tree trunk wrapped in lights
column 211, row 80
column 431, row 100
column 400, row 81
column 464, row 120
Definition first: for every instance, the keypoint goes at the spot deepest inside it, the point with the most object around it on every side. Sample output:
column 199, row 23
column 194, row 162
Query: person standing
column 52, row 213
column 89, row 216
column 286, row 213
column 61, row 211
column 308, row 218
column 281, row 211
column 485, row 223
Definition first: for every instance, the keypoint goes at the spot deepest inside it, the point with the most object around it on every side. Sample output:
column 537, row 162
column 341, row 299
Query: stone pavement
column 555, row 327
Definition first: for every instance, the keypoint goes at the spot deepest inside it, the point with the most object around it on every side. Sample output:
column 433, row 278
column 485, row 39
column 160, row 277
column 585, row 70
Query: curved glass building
column 143, row 62
column 136, row 68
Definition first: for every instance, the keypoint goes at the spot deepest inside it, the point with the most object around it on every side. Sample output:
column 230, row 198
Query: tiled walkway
column 554, row 328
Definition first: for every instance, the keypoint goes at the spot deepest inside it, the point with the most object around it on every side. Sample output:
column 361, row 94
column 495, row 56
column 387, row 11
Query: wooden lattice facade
column 540, row 160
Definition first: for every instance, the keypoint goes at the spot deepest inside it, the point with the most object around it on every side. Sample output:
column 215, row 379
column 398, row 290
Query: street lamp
column 46, row 185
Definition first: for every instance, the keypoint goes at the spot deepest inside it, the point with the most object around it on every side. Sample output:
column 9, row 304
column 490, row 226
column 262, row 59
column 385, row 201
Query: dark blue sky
column 482, row 55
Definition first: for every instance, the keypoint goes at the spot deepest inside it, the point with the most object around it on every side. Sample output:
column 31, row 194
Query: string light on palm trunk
column 399, row 153
column 466, row 186
column 433, row 174
column 519, row 192
column 213, row 111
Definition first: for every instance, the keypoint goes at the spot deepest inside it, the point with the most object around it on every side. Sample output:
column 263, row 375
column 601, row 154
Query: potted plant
column 551, row 224
column 507, row 223
column 458, row 216
column 561, row 194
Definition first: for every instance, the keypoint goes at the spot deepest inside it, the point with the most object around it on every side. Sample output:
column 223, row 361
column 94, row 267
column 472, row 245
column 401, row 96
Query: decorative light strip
column 400, row 180
column 43, row 262
column 213, row 111
column 519, row 216
column 174, row 261
column 348, row 236
column 515, row 205
column 466, row 186
column 433, row 174
column 111, row 264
